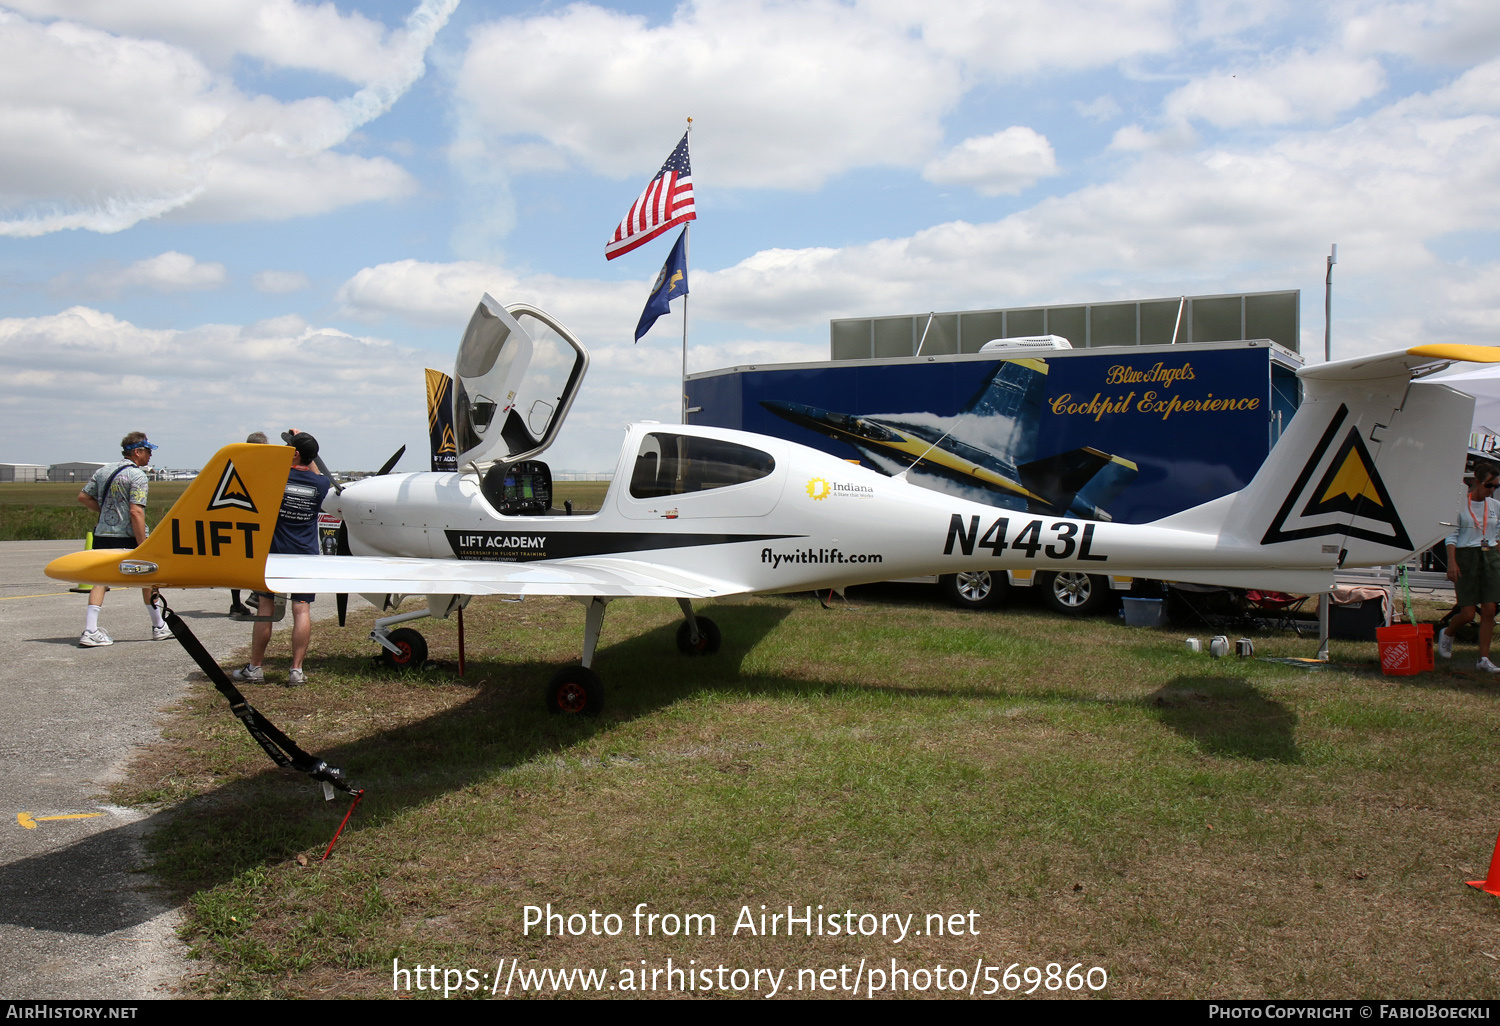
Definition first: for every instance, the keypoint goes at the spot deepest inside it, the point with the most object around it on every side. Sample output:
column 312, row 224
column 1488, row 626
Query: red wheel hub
column 572, row 698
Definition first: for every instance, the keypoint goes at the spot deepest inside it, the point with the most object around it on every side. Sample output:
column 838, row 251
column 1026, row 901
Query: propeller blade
column 390, row 463
column 341, row 600
column 338, row 489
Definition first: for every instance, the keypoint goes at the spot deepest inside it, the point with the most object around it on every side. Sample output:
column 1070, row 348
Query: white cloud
column 1477, row 90
column 995, row 165
column 275, row 282
column 422, row 292
column 167, row 272
column 102, row 131
column 1387, row 188
column 446, row 294
column 1100, row 109
column 783, row 95
column 195, row 390
column 627, row 381
column 280, row 32
column 1439, row 31
column 1280, row 90
column 1132, row 137
column 601, row 313
column 1007, row 40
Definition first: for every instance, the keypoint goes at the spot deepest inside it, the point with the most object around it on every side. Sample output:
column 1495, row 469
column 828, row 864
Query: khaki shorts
column 1478, row 576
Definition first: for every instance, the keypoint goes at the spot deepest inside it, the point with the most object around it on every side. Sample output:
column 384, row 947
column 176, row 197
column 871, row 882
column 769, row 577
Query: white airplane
column 1364, row 475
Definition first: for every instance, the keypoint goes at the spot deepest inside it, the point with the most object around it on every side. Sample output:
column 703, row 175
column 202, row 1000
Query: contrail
column 304, row 127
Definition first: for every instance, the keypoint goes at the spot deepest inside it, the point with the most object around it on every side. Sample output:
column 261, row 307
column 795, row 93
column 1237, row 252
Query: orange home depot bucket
column 1403, row 650
column 1424, row 645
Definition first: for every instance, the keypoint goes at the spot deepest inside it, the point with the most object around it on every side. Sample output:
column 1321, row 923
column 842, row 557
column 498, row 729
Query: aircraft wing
column 608, row 577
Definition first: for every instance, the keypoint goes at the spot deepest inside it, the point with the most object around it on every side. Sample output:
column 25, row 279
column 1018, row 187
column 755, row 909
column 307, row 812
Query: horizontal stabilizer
column 1059, row 478
column 216, row 535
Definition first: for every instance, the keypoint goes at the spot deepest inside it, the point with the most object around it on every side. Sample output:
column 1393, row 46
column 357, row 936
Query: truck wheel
column 1077, row 594
column 975, row 589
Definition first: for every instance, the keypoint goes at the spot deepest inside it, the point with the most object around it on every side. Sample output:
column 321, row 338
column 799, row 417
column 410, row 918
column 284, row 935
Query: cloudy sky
column 255, row 214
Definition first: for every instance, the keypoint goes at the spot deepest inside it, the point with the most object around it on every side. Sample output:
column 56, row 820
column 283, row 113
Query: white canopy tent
column 1484, row 385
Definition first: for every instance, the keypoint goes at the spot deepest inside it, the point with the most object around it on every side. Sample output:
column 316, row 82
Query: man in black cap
column 235, row 605
column 297, row 533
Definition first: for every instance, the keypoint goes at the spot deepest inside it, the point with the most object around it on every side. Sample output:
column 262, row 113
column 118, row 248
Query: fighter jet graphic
column 989, row 446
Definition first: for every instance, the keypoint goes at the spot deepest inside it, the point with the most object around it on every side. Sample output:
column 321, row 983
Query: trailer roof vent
column 1028, row 342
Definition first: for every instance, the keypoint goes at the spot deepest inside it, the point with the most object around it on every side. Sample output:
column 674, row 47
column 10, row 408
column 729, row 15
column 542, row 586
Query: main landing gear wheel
column 413, row 650
column 1077, row 594
column 975, row 589
column 708, row 637
column 575, row 691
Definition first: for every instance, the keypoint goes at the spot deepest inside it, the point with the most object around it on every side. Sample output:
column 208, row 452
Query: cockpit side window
column 677, row 464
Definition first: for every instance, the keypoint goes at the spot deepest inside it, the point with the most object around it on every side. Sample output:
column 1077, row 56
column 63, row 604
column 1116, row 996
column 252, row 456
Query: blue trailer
column 1127, row 434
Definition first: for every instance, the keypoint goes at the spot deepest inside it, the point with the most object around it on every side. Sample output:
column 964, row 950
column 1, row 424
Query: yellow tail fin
column 216, row 536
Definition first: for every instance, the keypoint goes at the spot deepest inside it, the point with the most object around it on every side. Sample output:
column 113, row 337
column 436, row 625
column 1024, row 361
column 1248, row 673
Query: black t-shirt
column 297, row 523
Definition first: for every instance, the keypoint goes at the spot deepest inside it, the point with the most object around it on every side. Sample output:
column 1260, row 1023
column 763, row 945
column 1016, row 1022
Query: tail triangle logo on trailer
column 231, row 492
column 1349, row 499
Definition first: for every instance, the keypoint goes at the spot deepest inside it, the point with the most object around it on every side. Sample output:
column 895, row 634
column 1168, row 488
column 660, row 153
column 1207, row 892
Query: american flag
column 666, row 203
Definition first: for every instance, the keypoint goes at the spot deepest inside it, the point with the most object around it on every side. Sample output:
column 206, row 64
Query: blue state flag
column 670, row 283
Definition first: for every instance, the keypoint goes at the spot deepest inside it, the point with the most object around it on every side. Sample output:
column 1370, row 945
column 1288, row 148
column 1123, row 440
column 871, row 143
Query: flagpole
column 686, row 247
column 687, row 243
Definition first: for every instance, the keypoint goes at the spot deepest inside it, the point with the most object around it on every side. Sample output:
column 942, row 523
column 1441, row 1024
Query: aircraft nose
column 798, row 413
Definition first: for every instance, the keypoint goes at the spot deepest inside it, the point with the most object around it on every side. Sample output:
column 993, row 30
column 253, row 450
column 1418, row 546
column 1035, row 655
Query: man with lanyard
column 297, row 533
column 1474, row 563
column 117, row 495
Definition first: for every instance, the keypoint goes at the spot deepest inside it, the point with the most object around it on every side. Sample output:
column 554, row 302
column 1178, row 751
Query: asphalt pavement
column 78, row 920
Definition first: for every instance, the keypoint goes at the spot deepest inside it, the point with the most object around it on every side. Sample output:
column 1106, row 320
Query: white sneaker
column 1445, row 644
column 161, row 633
column 253, row 674
column 295, row 677
column 1487, row 666
column 94, row 639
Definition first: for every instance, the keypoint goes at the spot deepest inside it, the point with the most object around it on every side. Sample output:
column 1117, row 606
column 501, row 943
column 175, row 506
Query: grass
column 46, row 511
column 1092, row 794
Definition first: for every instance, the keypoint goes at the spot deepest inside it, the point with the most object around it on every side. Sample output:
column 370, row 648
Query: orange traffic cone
column 1491, row 883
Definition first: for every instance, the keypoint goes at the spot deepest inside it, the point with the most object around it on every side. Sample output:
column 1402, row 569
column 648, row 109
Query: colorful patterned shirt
column 126, row 490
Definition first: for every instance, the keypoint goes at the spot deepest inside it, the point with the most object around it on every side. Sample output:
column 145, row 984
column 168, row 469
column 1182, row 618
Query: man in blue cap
column 117, row 495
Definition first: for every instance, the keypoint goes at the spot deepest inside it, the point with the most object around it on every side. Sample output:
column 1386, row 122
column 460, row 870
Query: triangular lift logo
column 1349, row 499
column 448, row 444
column 232, row 492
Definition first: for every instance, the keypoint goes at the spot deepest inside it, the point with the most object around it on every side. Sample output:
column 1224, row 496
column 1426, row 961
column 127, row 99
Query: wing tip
column 1457, row 351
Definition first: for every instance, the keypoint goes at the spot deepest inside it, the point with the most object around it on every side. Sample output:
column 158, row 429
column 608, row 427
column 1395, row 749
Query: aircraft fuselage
column 814, row 521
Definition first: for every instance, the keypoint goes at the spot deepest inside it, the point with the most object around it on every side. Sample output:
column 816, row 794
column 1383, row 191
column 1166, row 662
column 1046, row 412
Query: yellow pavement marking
column 29, row 821
column 48, row 594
